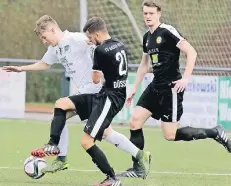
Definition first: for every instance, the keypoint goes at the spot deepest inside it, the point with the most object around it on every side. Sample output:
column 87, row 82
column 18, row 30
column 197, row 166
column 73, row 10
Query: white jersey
column 75, row 55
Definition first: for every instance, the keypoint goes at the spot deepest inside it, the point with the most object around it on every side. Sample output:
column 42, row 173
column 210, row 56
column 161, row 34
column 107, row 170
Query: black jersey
column 161, row 45
column 111, row 58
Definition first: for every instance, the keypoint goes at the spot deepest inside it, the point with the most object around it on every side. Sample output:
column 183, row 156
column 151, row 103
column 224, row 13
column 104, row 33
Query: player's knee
column 84, row 143
column 169, row 130
column 87, row 141
column 64, row 103
column 108, row 131
column 135, row 122
column 170, row 136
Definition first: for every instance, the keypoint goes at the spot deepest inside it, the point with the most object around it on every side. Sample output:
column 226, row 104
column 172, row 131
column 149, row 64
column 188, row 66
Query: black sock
column 137, row 138
column 189, row 133
column 61, row 158
column 99, row 158
column 57, row 125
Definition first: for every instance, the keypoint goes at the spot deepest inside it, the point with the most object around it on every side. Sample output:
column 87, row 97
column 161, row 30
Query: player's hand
column 180, row 84
column 130, row 97
column 12, row 68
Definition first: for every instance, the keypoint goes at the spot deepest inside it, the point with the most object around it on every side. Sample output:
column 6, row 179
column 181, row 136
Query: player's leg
column 100, row 117
column 63, row 143
column 99, row 158
column 120, row 141
column 171, row 132
column 60, row 162
column 172, row 110
column 59, row 120
column 217, row 133
column 124, row 144
column 146, row 107
column 110, row 135
column 62, row 107
column 138, row 118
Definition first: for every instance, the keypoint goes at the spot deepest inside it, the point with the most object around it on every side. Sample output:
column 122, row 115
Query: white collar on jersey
column 65, row 35
column 155, row 29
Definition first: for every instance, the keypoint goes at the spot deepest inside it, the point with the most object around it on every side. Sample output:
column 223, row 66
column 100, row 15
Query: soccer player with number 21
column 109, row 59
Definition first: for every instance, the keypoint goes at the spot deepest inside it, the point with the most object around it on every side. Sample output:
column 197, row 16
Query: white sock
column 122, row 142
column 63, row 143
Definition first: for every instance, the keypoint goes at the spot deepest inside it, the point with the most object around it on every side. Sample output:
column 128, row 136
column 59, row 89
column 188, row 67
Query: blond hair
column 43, row 22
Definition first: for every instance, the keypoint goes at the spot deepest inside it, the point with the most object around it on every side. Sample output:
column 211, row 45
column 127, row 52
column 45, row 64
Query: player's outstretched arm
column 191, row 54
column 34, row 67
column 142, row 70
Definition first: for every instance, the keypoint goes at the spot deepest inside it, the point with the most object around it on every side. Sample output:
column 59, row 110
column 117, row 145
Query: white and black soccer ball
column 33, row 167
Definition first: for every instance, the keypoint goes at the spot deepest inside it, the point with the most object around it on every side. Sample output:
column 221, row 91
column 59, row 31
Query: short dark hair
column 95, row 24
column 151, row 3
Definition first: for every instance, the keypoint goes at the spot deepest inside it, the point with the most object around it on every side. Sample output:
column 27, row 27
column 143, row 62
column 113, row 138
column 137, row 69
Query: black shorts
column 98, row 109
column 164, row 104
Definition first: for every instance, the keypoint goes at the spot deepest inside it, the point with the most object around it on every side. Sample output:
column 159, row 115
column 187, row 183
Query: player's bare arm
column 34, row 67
column 142, row 70
column 96, row 76
column 191, row 54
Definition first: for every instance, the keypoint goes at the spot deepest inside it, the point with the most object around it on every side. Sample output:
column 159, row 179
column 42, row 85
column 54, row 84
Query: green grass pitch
column 197, row 163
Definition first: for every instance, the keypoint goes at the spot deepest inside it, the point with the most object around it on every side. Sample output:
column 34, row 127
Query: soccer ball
column 33, row 167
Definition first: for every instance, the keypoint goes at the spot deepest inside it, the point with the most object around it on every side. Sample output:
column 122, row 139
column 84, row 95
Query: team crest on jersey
column 158, row 40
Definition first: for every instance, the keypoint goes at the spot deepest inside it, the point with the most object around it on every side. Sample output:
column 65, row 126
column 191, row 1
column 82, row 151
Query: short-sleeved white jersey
column 75, row 55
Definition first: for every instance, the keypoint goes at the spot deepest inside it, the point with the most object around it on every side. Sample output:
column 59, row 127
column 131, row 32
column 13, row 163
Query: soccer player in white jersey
column 73, row 52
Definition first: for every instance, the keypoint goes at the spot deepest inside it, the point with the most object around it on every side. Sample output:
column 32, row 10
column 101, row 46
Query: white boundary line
column 153, row 172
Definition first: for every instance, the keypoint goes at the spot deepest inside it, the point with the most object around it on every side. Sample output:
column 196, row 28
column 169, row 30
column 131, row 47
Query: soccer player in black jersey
column 163, row 98
column 110, row 59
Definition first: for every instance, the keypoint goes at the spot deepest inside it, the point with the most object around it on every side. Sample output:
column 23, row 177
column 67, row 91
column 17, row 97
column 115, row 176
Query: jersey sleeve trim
column 180, row 42
column 173, row 31
column 96, row 70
